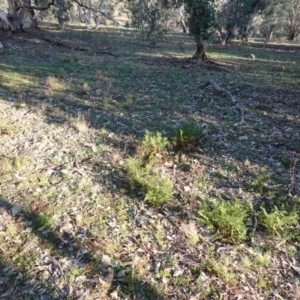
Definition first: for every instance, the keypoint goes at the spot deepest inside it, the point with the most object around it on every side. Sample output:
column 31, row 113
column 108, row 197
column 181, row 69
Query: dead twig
column 229, row 95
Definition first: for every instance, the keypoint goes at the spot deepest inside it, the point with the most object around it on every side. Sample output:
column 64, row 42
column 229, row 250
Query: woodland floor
column 76, row 105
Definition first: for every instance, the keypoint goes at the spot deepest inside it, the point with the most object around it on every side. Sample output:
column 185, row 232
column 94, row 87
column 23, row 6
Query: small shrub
column 85, row 88
column 6, row 166
column 286, row 162
column 150, row 18
column 41, row 220
column 61, row 73
column 262, row 259
column 259, row 184
column 221, row 268
column 228, row 218
column 187, row 135
column 18, row 161
column 157, row 189
column 278, row 220
column 81, row 123
column 154, row 143
column 5, row 130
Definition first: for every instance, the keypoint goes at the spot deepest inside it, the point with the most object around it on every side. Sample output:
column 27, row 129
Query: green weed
column 262, row 259
column 157, row 188
column 187, row 135
column 61, row 73
column 221, row 268
column 260, row 182
column 278, row 220
column 228, row 218
column 154, row 143
column 41, row 220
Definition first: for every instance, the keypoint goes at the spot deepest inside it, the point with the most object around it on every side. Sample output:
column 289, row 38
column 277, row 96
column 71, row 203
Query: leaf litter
column 71, row 228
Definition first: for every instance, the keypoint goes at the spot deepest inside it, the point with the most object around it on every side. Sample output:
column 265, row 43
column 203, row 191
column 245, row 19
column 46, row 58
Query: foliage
column 201, row 17
column 221, row 268
column 62, row 12
column 150, row 17
column 154, row 143
column 278, row 220
column 228, row 218
column 236, row 17
column 187, row 135
column 157, row 188
column 260, row 182
column 76, row 177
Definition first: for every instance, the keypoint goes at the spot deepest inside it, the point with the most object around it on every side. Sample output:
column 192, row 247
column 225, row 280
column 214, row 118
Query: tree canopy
column 206, row 18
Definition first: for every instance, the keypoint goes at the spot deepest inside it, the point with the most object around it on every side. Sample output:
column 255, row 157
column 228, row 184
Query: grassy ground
column 120, row 178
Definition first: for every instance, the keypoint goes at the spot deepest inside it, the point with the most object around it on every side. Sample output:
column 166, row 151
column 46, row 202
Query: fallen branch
column 57, row 42
column 228, row 94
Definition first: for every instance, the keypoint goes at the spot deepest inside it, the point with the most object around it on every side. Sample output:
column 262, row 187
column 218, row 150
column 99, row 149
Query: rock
column 177, row 273
column 16, row 209
column 108, row 261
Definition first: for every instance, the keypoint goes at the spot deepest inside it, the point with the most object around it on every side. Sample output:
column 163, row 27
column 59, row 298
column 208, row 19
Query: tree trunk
column 13, row 16
column 5, row 21
column 200, row 50
column 184, row 28
column 99, row 15
column 89, row 17
column 271, row 34
column 200, row 43
column 291, row 34
column 16, row 17
column 82, row 15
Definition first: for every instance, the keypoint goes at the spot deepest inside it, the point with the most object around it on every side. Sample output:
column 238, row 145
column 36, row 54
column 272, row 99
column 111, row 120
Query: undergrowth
column 226, row 218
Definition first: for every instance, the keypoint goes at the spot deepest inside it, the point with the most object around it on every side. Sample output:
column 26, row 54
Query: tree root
column 219, row 90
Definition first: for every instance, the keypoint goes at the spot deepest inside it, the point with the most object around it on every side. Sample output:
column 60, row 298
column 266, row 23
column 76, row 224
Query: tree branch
column 94, row 10
column 36, row 7
column 228, row 94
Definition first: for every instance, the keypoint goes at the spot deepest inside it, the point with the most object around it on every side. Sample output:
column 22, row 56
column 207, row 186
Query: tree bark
column 292, row 33
column 271, row 34
column 5, row 21
column 98, row 15
column 184, row 28
column 200, row 43
column 200, row 49
column 13, row 16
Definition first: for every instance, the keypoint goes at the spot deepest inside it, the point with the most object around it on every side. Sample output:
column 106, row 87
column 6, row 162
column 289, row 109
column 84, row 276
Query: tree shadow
column 119, row 116
column 16, row 281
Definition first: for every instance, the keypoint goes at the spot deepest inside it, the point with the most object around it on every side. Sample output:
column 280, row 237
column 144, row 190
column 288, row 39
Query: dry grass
column 72, row 223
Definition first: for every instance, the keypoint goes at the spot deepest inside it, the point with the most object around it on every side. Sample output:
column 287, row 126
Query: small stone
column 78, row 220
column 108, row 261
column 177, row 273
column 114, row 295
column 187, row 189
column 16, row 209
